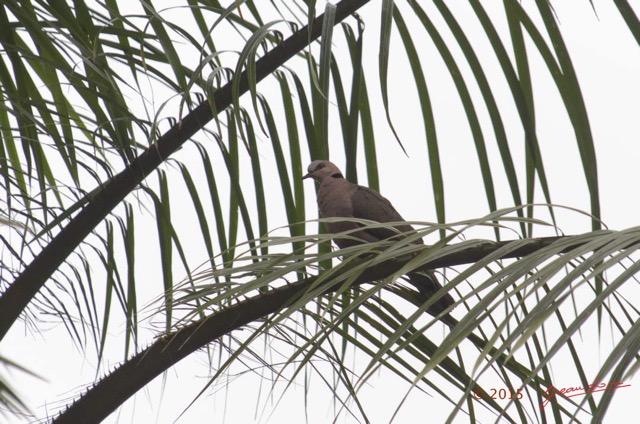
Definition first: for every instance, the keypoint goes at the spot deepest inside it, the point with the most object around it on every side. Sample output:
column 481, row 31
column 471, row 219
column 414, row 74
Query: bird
column 339, row 198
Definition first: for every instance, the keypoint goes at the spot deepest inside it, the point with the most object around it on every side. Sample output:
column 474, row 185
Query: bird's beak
column 307, row 176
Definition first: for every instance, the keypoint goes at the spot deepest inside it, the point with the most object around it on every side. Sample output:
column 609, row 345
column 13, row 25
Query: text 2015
column 502, row 394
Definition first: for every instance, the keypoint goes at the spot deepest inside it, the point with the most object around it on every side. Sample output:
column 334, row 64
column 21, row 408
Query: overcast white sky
column 611, row 87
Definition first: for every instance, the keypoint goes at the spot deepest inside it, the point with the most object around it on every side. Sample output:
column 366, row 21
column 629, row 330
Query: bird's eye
column 320, row 166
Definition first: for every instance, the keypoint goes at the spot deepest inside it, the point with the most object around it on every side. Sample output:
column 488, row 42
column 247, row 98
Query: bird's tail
column 427, row 284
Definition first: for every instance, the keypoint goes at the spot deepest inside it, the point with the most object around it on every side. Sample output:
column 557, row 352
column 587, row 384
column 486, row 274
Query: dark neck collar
column 337, row 175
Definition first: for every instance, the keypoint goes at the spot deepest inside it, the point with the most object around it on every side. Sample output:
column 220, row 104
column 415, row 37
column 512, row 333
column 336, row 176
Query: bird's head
column 321, row 169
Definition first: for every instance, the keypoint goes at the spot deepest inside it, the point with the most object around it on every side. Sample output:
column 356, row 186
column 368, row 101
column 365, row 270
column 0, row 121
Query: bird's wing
column 371, row 205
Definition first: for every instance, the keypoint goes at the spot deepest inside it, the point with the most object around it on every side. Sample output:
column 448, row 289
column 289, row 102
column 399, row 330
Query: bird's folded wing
column 371, row 205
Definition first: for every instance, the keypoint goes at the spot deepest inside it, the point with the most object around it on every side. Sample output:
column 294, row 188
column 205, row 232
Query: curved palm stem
column 108, row 394
column 25, row 287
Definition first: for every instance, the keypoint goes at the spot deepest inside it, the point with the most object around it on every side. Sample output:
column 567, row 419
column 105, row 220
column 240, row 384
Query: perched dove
column 339, row 198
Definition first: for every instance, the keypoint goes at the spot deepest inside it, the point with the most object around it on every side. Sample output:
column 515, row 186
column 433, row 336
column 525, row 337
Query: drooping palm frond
column 507, row 311
column 10, row 400
column 106, row 198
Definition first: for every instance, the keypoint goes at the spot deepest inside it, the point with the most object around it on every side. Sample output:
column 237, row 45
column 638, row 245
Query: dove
column 339, row 198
